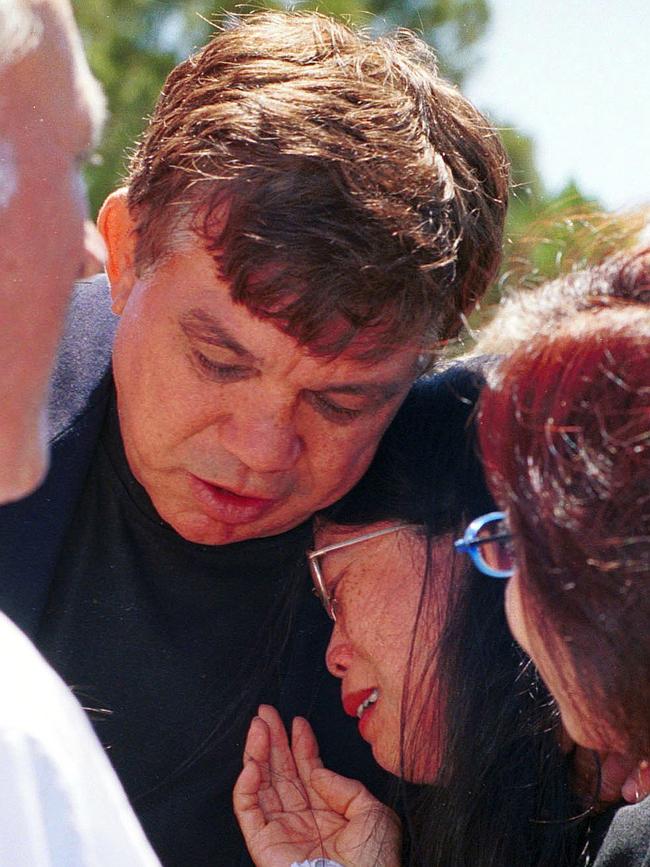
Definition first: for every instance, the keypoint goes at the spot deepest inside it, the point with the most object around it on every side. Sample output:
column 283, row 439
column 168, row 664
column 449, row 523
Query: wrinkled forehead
column 291, row 293
column 207, row 305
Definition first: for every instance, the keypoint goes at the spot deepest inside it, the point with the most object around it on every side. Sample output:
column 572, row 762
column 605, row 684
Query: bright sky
column 574, row 74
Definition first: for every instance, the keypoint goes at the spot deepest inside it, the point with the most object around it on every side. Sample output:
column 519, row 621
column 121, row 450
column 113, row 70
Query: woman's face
column 559, row 675
column 376, row 585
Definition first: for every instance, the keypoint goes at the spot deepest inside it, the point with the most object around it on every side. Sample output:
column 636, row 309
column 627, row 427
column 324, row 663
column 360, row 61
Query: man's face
column 235, row 430
column 49, row 110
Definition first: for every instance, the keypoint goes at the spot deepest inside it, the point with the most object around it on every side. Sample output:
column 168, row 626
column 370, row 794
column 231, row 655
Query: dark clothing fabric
column 32, row 530
column 627, row 843
column 185, row 614
column 169, row 645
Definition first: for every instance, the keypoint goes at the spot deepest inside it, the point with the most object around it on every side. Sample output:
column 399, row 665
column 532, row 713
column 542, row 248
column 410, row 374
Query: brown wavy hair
column 565, row 438
column 335, row 178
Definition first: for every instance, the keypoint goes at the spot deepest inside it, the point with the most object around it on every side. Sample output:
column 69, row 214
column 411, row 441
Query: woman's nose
column 338, row 654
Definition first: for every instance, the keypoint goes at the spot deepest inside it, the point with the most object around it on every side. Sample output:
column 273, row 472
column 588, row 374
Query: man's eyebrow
column 378, row 391
column 201, row 325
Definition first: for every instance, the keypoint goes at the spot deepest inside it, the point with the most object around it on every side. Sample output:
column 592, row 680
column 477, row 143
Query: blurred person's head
column 50, row 113
column 309, row 210
column 421, row 645
column 565, row 436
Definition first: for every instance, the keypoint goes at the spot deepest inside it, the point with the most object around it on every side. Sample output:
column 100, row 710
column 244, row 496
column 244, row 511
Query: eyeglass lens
column 319, row 588
column 494, row 545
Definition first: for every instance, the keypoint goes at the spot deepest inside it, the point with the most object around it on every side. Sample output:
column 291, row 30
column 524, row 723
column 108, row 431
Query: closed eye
column 334, row 594
column 221, row 372
column 332, row 410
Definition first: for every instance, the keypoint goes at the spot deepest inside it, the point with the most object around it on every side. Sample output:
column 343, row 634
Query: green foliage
column 123, row 43
column 561, row 234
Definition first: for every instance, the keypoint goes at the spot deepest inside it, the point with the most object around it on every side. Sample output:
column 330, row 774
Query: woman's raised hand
column 291, row 809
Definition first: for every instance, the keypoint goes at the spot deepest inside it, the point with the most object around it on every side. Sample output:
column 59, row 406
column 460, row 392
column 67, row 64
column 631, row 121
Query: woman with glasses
column 565, row 435
column 440, row 691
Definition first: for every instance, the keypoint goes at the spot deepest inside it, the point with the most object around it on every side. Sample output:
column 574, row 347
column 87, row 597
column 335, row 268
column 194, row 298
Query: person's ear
column 117, row 226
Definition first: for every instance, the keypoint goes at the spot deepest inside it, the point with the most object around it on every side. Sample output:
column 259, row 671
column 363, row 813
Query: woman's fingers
column 303, row 742
column 373, row 831
column 281, row 760
column 282, row 768
column 615, row 769
column 246, row 803
column 306, row 754
column 258, row 742
column 257, row 750
column 621, row 776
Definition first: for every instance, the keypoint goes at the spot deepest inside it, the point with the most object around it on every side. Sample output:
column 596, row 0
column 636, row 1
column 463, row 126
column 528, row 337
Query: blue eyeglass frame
column 471, row 544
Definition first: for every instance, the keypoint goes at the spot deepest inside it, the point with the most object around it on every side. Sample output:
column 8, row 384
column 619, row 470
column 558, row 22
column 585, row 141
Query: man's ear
column 118, row 230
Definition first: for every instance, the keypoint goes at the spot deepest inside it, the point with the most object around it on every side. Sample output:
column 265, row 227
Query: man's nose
column 263, row 437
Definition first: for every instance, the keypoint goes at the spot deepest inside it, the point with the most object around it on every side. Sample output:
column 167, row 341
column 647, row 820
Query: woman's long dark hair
column 501, row 797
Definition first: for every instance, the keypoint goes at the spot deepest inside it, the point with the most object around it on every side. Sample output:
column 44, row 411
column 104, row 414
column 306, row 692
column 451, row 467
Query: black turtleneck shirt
column 171, row 645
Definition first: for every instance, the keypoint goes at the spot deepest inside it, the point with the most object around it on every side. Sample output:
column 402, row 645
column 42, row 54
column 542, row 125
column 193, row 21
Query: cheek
column 336, row 467
column 514, row 614
column 574, row 716
column 389, row 625
column 150, row 364
column 526, row 635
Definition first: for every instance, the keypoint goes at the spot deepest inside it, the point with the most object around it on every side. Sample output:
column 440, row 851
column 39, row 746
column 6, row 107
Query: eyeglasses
column 329, row 602
column 487, row 540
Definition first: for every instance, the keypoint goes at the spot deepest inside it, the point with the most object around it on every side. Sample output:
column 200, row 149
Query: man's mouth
column 228, row 506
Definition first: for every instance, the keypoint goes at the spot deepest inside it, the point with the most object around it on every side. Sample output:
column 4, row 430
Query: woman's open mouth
column 361, row 704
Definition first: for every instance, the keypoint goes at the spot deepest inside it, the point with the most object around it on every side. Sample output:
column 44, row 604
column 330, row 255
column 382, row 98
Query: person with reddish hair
column 564, row 433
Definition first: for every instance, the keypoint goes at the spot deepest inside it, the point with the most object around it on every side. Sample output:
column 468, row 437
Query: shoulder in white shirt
column 61, row 804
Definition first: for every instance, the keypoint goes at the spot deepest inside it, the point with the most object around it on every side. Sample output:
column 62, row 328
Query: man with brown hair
column 309, row 211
